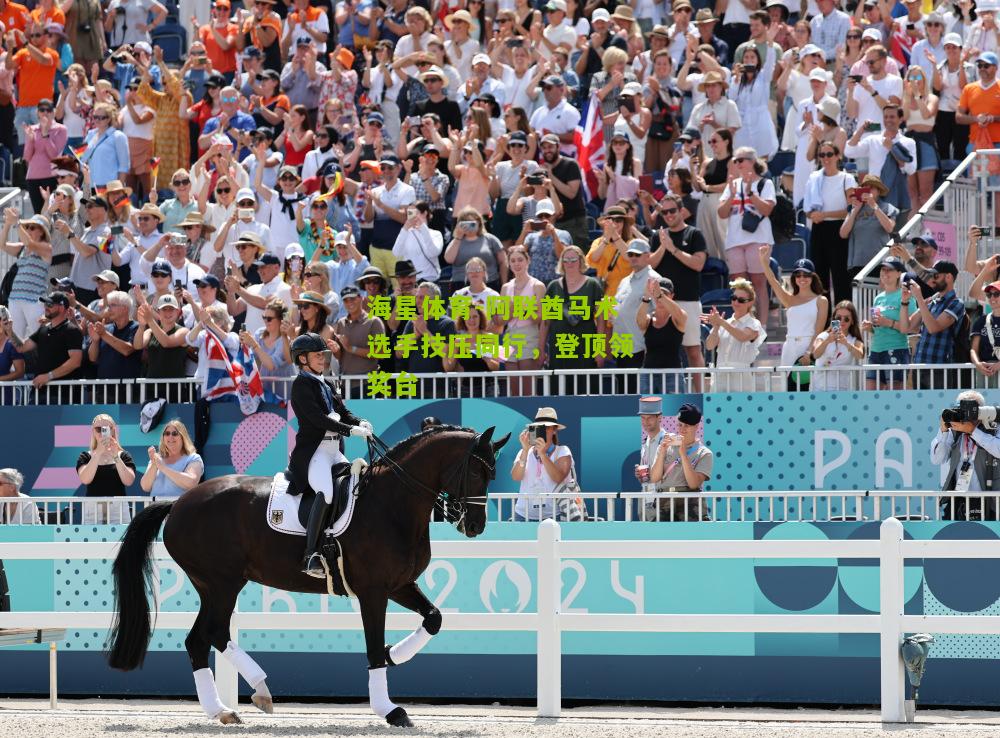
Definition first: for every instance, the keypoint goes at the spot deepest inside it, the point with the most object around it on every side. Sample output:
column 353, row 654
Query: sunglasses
column 826, row 155
column 322, row 135
column 44, row 110
column 35, row 35
column 842, row 318
column 288, row 178
column 853, row 36
column 242, row 246
column 144, row 218
column 228, row 99
column 671, row 211
column 102, row 117
column 269, row 319
column 992, row 294
column 173, row 433
column 740, row 159
column 247, row 204
column 319, row 206
column 223, row 190
column 571, row 260
column 181, row 182
column 982, row 65
column 741, row 300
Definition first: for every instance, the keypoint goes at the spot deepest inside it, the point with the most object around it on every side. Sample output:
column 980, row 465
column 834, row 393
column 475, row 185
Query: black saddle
column 341, row 474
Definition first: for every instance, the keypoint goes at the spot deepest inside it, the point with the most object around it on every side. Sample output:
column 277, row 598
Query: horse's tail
column 130, row 632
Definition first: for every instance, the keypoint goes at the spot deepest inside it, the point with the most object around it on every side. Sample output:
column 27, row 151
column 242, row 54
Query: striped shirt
column 32, row 278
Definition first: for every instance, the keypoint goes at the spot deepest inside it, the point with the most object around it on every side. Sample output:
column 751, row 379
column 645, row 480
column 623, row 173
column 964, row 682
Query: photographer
column 541, row 466
column 971, row 450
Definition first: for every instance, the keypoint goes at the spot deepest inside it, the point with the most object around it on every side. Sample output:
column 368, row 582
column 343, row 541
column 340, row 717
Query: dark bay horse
column 218, row 534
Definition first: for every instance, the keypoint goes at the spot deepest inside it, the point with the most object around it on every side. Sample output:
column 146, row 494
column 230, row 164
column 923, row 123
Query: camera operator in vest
column 323, row 420
column 967, row 442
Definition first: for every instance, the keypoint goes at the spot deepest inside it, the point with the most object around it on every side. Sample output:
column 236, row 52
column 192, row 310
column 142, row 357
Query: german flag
column 154, row 167
column 105, row 246
column 79, row 151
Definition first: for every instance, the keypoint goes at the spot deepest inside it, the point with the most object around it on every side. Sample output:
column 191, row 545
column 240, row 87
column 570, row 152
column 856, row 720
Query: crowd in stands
column 439, row 187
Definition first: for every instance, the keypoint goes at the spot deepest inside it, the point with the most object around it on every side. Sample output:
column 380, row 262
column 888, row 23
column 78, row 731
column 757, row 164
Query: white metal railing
column 814, row 506
column 549, row 621
column 592, row 382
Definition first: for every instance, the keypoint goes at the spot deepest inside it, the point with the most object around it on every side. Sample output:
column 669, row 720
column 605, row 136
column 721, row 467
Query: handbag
column 569, row 504
column 751, row 220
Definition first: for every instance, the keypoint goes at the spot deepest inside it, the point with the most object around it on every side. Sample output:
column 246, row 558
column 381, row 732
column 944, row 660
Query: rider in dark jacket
column 323, row 421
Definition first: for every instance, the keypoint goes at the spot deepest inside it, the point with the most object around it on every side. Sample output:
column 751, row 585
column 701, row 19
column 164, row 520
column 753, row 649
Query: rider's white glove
column 361, row 431
column 366, row 424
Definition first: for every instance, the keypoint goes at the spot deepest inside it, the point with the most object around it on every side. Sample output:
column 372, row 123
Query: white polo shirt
column 275, row 288
column 398, row 197
column 563, row 118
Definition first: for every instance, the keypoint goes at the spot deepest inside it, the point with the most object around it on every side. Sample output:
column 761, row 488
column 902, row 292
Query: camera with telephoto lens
column 970, row 411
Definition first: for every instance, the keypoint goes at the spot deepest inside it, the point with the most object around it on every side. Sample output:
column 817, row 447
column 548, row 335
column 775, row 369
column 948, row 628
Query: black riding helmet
column 307, row 343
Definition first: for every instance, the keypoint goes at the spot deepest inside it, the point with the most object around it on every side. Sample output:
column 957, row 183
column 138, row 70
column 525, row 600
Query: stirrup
column 315, row 566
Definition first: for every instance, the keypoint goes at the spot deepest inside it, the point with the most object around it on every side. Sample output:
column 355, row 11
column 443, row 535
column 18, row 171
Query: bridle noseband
column 452, row 507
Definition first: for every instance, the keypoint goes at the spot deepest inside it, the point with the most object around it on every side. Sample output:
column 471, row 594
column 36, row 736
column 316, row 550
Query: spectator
column 556, row 116
column 888, row 323
column 711, row 180
column 174, row 466
column 540, row 466
column 738, row 339
column 920, row 107
column 352, row 333
column 970, row 450
column 107, row 152
column 110, row 345
column 296, row 138
column 127, row 21
column 839, row 345
column 313, row 313
column 662, row 322
column 138, row 122
column 36, row 65
column 826, row 207
column 544, row 242
column 11, row 362
column 182, row 269
column 870, row 218
column 661, row 96
column 829, row 28
column 984, row 351
column 628, row 297
column 746, row 203
column 949, row 79
column 418, row 244
column 522, row 284
column 431, row 186
column 651, row 418
column 877, row 88
column 316, row 279
column 978, row 106
column 716, row 112
column 23, row 512
column 42, row 143
column 180, row 213
column 33, row 251
column 372, row 284
column 386, row 204
column 682, row 464
column 219, row 38
column 475, row 355
column 564, row 173
column 467, row 165
column 105, row 470
column 163, row 338
column 919, row 264
column 230, row 119
column 58, row 341
column 254, row 298
column 271, row 346
column 939, row 319
column 171, row 144
column 751, row 92
column 214, row 320
column 423, row 326
column 470, row 239
column 476, row 289
column 619, row 178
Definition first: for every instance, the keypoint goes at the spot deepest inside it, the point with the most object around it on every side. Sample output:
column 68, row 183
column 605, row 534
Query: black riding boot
column 312, row 564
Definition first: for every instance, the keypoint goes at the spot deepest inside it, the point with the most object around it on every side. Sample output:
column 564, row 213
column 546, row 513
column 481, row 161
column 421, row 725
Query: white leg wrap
column 378, row 692
column 410, row 646
column 248, row 668
column 208, row 695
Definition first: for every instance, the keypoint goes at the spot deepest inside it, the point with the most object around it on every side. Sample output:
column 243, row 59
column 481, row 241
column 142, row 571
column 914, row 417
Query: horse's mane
column 408, row 444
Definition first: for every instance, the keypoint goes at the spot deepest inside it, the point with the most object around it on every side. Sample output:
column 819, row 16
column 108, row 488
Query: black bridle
column 452, row 506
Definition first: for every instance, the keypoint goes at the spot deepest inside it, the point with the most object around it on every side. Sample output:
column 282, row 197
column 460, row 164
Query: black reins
column 451, row 507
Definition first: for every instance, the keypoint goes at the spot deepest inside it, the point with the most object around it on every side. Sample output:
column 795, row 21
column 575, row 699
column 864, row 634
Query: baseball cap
column 942, row 266
column 246, row 193
column 989, row 57
column 952, row 39
column 666, row 284
column 430, row 149
column 553, row 80
column 872, row 33
column 55, row 298
column 167, row 301
column 992, row 287
column 926, row 240
column 556, row 5
column 350, row 291
column 209, row 280
column 143, row 46
column 161, row 266
column 96, row 200
column 545, row 207
column 375, row 117
column 64, row 283
column 550, row 138
column 481, row 59
column 390, row 159
column 690, row 134
column 804, row 265
column 518, row 137
column 638, row 246
column 268, row 260
column 894, row 262
column 600, row 14
column 107, row 276
column 818, row 75
column 810, row 49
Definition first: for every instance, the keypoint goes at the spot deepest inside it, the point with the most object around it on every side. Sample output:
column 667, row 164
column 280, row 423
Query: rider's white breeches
column 325, row 457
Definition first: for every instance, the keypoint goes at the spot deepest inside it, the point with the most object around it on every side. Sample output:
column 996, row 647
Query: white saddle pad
column 283, row 509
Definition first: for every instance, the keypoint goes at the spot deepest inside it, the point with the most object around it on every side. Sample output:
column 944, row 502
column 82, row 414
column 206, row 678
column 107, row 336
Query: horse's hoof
column 262, row 703
column 229, row 717
column 399, row 719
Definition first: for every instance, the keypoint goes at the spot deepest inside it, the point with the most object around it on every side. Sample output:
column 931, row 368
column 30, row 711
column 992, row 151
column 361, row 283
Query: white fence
column 667, row 507
column 549, row 622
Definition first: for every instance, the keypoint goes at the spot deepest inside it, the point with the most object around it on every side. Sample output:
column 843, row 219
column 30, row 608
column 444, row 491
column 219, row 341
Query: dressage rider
column 323, row 420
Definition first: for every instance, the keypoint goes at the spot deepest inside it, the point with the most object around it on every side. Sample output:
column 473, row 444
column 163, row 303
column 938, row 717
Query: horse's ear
column 485, row 437
column 500, row 444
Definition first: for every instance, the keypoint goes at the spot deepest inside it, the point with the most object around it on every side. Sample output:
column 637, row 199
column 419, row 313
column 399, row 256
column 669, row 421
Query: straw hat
column 547, row 415
column 623, row 12
column 712, row 78
column 876, row 184
column 116, row 185
column 194, row 218
column 459, row 15
column 150, row 209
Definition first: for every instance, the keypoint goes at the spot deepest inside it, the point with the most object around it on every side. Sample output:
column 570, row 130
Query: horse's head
column 476, row 470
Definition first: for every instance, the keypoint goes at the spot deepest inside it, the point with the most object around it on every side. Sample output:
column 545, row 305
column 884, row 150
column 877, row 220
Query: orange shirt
column 614, row 275
column 53, row 15
column 35, row 80
column 271, row 20
column 14, row 16
column 977, row 101
column 222, row 61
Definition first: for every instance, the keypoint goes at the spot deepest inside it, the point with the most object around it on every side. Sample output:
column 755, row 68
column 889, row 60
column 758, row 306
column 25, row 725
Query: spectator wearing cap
column 418, row 245
column 682, row 464
column 90, row 254
column 159, row 283
column 877, row 89
column 63, row 206
column 980, row 33
column 984, row 351
column 386, row 206
column 557, row 31
column 544, row 242
column 651, row 418
column 949, row 79
column 163, row 339
column 340, row 82
column 219, row 37
column 480, row 82
column 870, row 219
column 663, row 324
column 182, row 269
column 294, row 266
column 36, row 65
column 107, row 152
column 206, row 296
column 556, row 116
column 242, row 220
column 979, row 104
column 540, row 466
column 109, row 344
column 807, row 312
column 826, row 206
column 829, row 28
column 232, row 121
column 42, row 143
column 126, row 64
column 147, row 222
column 431, row 186
column 887, row 323
column 262, row 140
column 938, row 320
column 351, row 334
column 602, row 36
column 448, row 111
column 57, row 340
column 127, row 21
column 302, row 76
column 254, row 298
column 98, row 309
column 32, row 247
column 628, row 297
column 507, row 180
column 349, row 264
